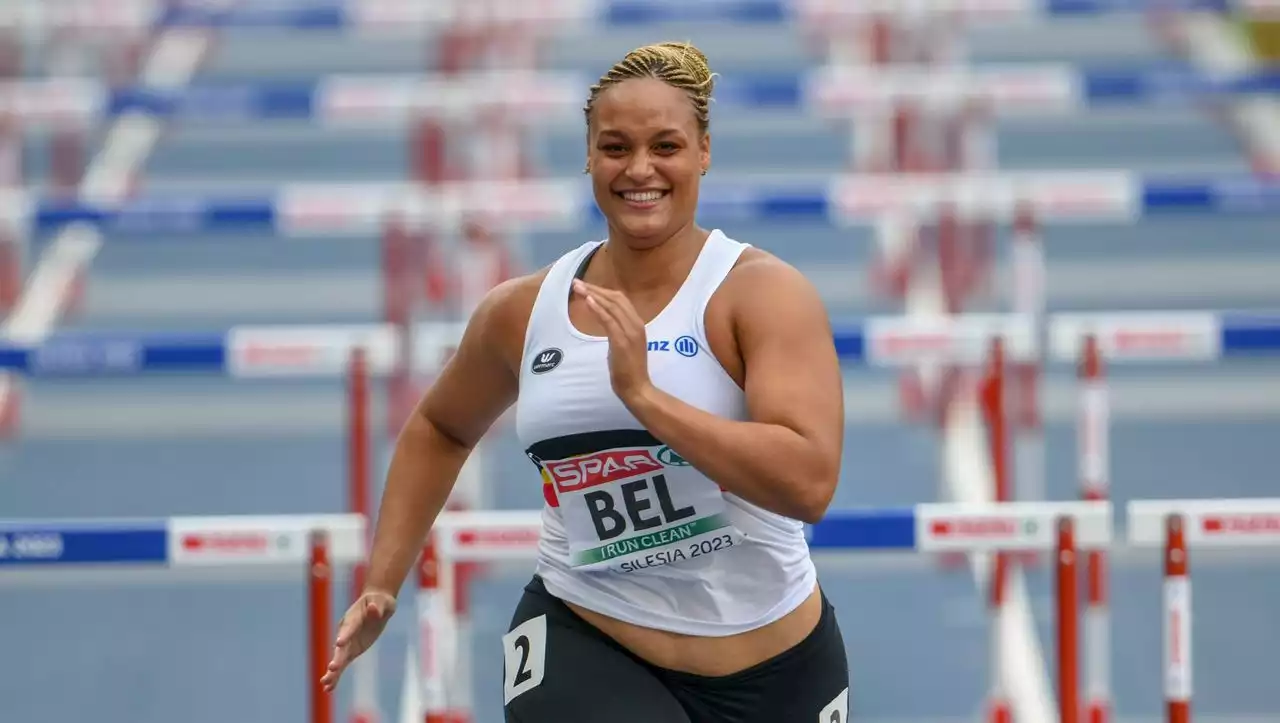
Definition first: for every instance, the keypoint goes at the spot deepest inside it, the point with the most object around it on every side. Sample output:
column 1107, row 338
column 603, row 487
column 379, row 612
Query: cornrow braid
column 680, row 65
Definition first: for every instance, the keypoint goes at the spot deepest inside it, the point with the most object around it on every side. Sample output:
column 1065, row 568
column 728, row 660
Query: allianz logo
column 685, row 346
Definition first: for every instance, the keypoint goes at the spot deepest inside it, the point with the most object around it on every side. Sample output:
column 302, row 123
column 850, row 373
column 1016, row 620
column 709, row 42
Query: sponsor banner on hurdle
column 1138, row 336
column 1208, row 523
column 309, row 351
column 524, row 96
column 325, row 351
column 249, row 540
column 1015, row 89
column 339, row 209
column 1011, row 526
column 487, row 535
column 1056, row 195
column 967, row 339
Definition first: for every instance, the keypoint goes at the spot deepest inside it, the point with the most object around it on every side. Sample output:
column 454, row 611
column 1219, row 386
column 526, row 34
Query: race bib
column 629, row 502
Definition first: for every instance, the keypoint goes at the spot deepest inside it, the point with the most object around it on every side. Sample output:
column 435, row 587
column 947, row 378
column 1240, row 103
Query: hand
column 628, row 344
column 360, row 626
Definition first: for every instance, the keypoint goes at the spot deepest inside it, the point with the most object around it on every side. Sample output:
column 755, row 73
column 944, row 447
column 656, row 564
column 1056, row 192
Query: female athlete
column 680, row 395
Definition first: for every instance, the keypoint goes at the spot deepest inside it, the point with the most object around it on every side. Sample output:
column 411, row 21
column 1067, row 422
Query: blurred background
column 262, row 148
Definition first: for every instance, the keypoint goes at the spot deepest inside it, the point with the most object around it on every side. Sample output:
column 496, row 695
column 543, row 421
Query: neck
column 659, row 265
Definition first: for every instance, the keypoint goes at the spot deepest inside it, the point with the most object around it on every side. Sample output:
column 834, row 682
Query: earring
column 704, row 171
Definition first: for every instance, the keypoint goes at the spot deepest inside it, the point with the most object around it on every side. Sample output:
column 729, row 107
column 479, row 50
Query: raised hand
column 628, row 344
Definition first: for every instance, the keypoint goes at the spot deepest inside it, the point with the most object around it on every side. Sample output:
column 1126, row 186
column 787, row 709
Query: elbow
column 813, row 507
column 815, row 497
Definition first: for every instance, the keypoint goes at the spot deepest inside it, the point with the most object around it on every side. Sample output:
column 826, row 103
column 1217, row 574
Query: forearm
column 769, row 465
column 423, row 470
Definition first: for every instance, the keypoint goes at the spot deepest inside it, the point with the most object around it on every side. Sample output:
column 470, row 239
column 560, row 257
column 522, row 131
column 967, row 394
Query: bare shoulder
column 765, row 289
column 502, row 317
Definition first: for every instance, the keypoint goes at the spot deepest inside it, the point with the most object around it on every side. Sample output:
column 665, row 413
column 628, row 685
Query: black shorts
column 561, row 669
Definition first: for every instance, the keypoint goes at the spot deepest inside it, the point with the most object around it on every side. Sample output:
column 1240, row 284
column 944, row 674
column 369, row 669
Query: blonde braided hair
column 680, row 65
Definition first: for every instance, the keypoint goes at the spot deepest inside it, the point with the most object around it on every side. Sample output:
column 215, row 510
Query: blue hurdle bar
column 304, row 209
column 254, row 539
column 340, row 15
column 177, row 541
column 324, row 351
column 1052, row 88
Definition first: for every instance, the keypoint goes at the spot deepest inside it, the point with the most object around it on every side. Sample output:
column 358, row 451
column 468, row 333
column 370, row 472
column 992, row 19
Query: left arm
column 786, row 458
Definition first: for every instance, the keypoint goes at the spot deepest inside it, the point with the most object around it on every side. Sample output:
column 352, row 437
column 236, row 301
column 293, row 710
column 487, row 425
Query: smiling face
column 646, row 154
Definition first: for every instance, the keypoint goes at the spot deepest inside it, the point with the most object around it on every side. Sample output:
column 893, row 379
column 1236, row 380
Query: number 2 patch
column 524, row 652
column 837, row 711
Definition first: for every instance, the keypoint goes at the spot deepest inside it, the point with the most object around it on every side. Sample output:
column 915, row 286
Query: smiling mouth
column 643, row 198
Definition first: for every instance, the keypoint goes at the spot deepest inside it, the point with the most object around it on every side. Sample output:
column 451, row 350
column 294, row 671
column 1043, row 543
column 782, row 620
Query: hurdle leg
column 319, row 612
column 434, row 649
column 1093, row 469
column 364, row 669
column 1067, row 600
column 999, row 710
column 1177, row 623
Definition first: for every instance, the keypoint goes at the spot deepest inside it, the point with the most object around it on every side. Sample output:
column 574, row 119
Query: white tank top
column 630, row 529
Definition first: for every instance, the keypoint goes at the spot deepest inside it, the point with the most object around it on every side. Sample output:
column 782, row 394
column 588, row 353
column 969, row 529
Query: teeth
column 642, row 197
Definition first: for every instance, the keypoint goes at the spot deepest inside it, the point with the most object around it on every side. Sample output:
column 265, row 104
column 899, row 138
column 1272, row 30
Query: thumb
column 377, row 605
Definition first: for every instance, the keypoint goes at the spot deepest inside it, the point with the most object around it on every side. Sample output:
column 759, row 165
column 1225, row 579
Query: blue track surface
column 122, row 651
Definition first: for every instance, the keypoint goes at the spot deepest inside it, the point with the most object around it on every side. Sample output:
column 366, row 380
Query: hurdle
column 1178, row 527
column 319, row 544
column 314, row 546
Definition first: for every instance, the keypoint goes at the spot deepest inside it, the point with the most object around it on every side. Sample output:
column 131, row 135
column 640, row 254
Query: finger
column 333, row 673
column 330, row 681
column 616, row 306
column 351, row 624
column 347, row 629
column 617, row 302
column 612, row 328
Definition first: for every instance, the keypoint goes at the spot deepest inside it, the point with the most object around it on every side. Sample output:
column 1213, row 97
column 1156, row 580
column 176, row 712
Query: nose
column 640, row 166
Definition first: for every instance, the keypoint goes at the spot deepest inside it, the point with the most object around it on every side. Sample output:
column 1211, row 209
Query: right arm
column 472, row 391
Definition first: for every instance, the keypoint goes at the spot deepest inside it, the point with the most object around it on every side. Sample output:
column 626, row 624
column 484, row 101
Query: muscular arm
column 473, row 389
column 787, row 457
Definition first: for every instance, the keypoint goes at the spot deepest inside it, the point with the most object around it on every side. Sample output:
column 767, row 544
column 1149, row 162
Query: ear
column 704, row 151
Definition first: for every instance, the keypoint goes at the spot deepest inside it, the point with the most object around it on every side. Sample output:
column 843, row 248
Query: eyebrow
column 660, row 134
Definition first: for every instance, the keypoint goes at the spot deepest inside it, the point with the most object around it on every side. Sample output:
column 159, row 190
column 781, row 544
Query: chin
column 643, row 232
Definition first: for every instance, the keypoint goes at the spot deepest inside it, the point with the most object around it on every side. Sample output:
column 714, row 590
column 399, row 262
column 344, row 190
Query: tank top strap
column 547, row 313
column 718, row 257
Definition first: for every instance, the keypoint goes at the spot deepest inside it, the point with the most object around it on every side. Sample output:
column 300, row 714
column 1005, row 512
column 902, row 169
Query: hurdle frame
column 1176, row 527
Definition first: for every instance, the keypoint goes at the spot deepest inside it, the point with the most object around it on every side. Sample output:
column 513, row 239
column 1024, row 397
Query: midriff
column 711, row 656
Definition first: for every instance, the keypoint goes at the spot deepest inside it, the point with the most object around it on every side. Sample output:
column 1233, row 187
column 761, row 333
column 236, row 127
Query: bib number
column 837, row 711
column 524, row 652
column 628, row 509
